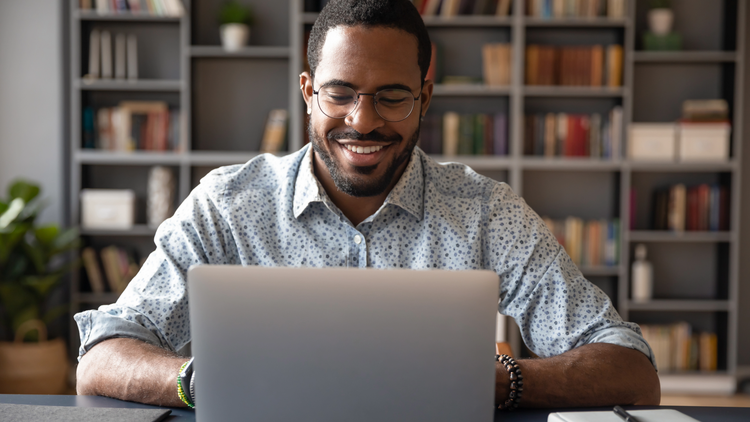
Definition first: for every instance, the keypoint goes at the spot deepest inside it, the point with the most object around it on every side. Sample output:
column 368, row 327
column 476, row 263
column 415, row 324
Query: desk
column 705, row 414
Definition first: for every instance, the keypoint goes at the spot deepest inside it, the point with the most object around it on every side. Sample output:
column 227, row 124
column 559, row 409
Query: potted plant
column 235, row 20
column 660, row 17
column 32, row 264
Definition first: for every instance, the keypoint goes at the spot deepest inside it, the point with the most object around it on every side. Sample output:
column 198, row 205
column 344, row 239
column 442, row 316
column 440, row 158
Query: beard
column 355, row 185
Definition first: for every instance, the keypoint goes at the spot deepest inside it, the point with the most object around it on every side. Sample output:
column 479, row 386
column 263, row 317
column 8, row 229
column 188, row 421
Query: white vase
column 234, row 36
column 660, row 21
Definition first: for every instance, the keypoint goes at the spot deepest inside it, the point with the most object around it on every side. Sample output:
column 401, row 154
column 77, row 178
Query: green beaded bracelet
column 180, row 391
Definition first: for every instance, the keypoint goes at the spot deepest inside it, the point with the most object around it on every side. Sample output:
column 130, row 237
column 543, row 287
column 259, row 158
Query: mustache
column 357, row 136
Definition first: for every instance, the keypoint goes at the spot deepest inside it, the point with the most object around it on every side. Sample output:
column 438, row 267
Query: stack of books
column 150, row 7
column 677, row 347
column 131, row 126
column 590, row 243
column 704, row 131
column 120, row 266
column 558, row 9
column 594, row 66
column 454, row 134
column 450, row 8
column 496, row 64
column 704, row 207
column 573, row 135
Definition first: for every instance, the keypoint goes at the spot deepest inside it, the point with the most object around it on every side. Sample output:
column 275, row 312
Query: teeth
column 363, row 150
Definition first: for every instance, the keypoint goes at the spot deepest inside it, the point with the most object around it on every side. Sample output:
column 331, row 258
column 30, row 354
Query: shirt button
column 357, row 239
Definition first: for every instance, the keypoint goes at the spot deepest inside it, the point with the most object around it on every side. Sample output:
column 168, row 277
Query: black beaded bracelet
column 516, row 382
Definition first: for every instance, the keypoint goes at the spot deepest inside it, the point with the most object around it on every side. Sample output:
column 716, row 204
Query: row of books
column 677, row 347
column 590, row 243
column 151, row 7
column 613, row 9
column 452, row 134
column 450, row 8
column 133, row 125
column 573, row 135
column 119, row 267
column 496, row 64
column 704, row 207
column 123, row 64
column 595, row 65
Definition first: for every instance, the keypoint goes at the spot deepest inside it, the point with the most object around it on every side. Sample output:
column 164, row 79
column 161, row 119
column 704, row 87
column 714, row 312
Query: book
column 93, row 270
column 120, row 56
column 657, row 415
column 274, row 135
column 132, row 57
column 94, row 54
column 106, row 54
column 503, row 8
column 450, row 133
column 614, row 65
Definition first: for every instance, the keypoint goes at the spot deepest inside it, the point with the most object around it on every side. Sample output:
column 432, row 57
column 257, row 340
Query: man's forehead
column 363, row 51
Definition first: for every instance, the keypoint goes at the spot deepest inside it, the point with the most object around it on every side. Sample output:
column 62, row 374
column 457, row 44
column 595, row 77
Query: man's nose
column 365, row 118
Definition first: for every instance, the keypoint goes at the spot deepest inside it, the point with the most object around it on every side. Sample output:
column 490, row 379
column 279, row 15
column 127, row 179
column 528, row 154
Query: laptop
column 342, row 344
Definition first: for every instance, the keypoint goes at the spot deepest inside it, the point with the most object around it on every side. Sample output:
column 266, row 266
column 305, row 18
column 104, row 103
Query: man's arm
column 596, row 374
column 132, row 370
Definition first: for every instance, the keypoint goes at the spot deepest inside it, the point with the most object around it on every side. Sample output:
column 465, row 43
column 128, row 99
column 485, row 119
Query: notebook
column 657, row 415
column 336, row 344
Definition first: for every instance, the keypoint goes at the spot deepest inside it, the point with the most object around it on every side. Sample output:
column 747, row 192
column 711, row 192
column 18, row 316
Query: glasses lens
column 394, row 104
column 336, row 101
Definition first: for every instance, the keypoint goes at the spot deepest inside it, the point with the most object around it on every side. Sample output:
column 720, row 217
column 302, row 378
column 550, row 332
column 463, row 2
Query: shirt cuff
column 625, row 337
column 96, row 326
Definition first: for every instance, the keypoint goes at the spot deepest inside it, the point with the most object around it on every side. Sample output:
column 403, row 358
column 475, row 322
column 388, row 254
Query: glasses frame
column 375, row 104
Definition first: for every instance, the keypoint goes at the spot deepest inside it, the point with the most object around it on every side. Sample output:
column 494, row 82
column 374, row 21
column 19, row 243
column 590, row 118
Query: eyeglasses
column 338, row 102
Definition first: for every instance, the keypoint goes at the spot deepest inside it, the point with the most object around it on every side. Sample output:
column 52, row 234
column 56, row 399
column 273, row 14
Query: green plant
column 234, row 12
column 660, row 4
column 32, row 259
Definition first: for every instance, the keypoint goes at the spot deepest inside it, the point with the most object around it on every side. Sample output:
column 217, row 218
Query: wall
column 31, row 128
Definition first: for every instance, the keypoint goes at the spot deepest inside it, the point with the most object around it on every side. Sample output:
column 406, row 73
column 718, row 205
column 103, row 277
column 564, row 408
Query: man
column 364, row 196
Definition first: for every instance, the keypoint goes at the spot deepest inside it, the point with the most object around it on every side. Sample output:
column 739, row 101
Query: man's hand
column 597, row 374
column 132, row 370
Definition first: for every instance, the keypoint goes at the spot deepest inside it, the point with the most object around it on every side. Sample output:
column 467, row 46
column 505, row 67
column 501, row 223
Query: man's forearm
column 130, row 370
column 591, row 375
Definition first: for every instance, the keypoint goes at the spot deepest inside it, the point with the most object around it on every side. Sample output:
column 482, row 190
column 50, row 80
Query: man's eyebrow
column 339, row 82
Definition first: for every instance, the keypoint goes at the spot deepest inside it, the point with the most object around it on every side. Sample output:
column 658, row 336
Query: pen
column 627, row 417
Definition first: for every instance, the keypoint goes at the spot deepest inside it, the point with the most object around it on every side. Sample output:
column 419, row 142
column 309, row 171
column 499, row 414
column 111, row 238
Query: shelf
column 467, row 21
column 696, row 305
column 123, row 17
column 220, row 158
column 570, row 163
column 572, row 91
column 256, row 52
column 144, row 158
column 136, row 230
column 601, row 271
column 684, row 56
column 597, row 22
column 442, row 90
column 127, row 85
column 698, row 383
column 98, row 298
column 671, row 166
column 679, row 237
column 477, row 162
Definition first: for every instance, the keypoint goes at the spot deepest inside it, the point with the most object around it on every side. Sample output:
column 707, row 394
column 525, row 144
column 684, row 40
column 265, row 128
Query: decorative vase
column 660, row 21
column 234, row 36
column 33, row 368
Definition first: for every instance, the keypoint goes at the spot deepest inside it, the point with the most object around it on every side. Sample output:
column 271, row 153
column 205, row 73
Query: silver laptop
column 338, row 344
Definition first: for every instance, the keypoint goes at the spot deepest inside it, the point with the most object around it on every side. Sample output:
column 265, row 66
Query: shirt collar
column 408, row 193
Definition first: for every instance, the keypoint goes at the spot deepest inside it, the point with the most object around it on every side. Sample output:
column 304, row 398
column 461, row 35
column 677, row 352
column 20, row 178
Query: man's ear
column 306, row 85
column 426, row 95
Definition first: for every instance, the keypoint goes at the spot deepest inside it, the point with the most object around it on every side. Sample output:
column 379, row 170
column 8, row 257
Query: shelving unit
column 224, row 99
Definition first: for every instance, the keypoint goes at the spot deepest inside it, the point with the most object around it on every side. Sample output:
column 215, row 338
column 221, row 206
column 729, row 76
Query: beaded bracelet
column 516, row 382
column 180, row 391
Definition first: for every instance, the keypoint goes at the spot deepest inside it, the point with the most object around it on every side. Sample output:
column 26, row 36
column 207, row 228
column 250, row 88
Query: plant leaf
column 24, row 190
column 41, row 285
column 13, row 211
column 9, row 241
column 37, row 257
column 47, row 234
column 66, row 241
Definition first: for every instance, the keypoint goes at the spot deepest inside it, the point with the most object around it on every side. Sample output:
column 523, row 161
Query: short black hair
column 397, row 14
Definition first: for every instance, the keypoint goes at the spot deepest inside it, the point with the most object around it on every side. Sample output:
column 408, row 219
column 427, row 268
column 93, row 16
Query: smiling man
column 364, row 196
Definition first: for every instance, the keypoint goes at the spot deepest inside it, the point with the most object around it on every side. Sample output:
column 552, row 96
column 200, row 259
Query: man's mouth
column 363, row 150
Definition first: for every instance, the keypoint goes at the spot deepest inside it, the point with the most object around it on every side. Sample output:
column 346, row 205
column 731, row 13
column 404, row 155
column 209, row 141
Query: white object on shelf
column 652, row 141
column 161, row 195
column 107, row 209
column 234, row 36
column 704, row 141
column 643, row 276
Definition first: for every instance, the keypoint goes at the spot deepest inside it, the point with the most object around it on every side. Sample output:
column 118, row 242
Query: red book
column 704, row 193
column 691, row 222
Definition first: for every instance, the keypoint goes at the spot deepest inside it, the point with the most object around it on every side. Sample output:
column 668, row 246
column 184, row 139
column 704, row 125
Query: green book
column 466, row 134
column 479, row 133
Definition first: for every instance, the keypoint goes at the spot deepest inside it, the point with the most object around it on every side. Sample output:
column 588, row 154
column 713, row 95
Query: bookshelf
column 217, row 94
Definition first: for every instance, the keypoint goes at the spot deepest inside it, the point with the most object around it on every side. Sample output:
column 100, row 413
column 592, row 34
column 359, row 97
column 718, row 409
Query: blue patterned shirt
column 272, row 211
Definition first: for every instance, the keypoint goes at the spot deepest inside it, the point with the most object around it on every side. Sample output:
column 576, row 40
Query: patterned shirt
column 273, row 211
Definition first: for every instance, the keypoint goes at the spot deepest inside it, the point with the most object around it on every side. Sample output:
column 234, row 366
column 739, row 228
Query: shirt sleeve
column 556, row 308
column 154, row 306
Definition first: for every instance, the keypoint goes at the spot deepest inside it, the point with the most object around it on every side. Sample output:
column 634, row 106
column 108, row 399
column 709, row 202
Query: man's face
column 367, row 60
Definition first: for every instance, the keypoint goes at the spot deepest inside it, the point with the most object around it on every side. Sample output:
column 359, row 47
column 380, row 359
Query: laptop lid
column 338, row 344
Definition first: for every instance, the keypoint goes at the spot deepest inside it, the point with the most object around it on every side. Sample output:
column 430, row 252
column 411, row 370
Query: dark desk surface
column 705, row 414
